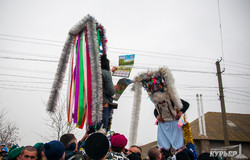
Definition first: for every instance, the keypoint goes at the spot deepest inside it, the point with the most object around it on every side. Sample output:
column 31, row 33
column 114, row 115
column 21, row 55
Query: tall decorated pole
column 86, row 40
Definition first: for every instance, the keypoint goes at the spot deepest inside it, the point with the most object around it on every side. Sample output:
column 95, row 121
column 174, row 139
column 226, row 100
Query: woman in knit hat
column 118, row 143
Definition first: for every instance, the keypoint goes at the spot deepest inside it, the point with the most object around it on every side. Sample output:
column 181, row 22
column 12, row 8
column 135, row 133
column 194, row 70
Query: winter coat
column 77, row 155
column 116, row 156
column 108, row 86
column 167, row 112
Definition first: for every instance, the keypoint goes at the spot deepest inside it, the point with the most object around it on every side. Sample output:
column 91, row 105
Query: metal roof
column 238, row 127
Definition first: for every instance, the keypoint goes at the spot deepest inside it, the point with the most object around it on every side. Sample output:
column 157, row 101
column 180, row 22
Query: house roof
column 146, row 147
column 238, row 127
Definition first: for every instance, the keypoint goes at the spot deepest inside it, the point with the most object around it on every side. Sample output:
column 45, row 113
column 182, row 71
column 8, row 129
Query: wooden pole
column 222, row 102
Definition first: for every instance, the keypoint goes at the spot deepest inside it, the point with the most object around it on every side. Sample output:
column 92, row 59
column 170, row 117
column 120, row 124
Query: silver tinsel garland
column 60, row 74
column 135, row 113
column 96, row 77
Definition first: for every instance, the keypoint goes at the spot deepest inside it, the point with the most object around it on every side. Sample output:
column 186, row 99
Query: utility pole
column 222, row 102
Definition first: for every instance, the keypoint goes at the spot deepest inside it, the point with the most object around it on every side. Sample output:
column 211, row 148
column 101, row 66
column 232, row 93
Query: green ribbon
column 99, row 40
column 81, row 85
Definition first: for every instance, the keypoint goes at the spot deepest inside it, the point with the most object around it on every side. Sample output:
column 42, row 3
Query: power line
column 25, row 76
column 238, row 63
column 8, row 35
column 124, row 49
column 240, row 77
column 236, row 74
column 200, row 89
column 23, row 86
column 23, row 89
column 26, row 53
column 237, row 90
column 238, row 103
column 31, row 42
column 172, row 68
column 160, row 53
column 195, row 86
column 152, row 52
column 127, row 96
column 178, row 70
column 194, row 96
column 39, row 82
column 237, row 99
column 28, row 59
column 237, row 71
column 236, row 87
column 180, row 59
column 46, row 40
column 238, row 67
column 194, row 99
column 111, row 51
column 26, row 70
column 192, row 71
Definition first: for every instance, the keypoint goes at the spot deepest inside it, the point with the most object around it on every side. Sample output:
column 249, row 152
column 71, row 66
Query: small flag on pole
column 181, row 121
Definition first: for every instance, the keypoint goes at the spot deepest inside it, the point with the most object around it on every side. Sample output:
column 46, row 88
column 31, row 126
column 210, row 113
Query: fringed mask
column 154, row 84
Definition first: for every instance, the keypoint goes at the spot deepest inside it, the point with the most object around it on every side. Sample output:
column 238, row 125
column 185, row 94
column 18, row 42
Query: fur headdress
column 159, row 84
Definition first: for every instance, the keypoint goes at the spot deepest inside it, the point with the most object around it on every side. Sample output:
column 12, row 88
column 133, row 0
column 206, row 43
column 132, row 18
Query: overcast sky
column 184, row 35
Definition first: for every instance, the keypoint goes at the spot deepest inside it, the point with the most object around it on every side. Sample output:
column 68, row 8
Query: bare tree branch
column 9, row 133
column 57, row 123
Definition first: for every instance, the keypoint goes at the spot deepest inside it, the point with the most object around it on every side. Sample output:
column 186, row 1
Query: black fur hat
column 96, row 146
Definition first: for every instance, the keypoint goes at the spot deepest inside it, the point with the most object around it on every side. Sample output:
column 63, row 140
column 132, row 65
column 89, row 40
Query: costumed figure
column 160, row 87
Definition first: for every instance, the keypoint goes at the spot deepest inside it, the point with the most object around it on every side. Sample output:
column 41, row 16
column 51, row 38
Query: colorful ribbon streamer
column 80, row 103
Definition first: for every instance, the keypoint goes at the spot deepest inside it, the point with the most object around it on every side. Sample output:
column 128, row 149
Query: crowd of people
column 93, row 146
column 96, row 146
